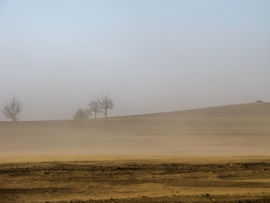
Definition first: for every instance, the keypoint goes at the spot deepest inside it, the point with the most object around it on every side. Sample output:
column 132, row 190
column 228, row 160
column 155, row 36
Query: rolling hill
column 233, row 129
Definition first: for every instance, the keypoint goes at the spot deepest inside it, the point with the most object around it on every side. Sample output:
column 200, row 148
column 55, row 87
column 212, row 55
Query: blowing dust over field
column 218, row 154
column 61, row 61
column 228, row 130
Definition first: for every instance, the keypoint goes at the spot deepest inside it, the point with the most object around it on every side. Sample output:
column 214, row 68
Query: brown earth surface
column 190, row 179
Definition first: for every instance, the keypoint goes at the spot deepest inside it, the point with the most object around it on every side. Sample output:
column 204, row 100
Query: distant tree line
column 13, row 109
column 96, row 106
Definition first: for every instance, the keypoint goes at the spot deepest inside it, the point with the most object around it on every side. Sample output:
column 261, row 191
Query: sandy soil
column 117, row 179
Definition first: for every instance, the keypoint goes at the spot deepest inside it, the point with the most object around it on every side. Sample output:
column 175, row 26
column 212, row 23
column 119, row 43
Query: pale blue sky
column 149, row 56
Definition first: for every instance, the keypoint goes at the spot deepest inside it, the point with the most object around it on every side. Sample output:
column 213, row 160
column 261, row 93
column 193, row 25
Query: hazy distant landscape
column 145, row 158
column 227, row 130
column 134, row 101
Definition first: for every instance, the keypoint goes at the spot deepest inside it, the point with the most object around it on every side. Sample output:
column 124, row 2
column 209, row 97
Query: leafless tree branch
column 12, row 110
column 94, row 106
column 106, row 104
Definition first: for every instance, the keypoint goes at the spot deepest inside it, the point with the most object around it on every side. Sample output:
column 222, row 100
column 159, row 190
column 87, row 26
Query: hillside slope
column 235, row 129
column 242, row 110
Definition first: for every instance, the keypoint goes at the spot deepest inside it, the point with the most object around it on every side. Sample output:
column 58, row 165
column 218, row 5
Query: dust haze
column 187, row 84
column 227, row 130
column 149, row 57
column 216, row 154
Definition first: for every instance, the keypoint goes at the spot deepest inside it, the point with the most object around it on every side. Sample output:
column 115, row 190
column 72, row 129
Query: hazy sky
column 149, row 56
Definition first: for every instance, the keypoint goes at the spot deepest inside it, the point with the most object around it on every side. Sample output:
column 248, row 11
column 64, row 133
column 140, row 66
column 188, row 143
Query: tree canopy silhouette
column 106, row 104
column 13, row 109
column 82, row 114
column 94, row 106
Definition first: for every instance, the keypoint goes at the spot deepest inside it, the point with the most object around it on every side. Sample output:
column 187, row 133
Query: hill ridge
column 244, row 109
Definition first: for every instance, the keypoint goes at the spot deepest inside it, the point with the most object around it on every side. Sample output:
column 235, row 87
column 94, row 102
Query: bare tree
column 106, row 104
column 82, row 114
column 13, row 109
column 95, row 107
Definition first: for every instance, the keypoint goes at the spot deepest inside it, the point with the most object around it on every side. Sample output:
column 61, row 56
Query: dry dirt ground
column 174, row 180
